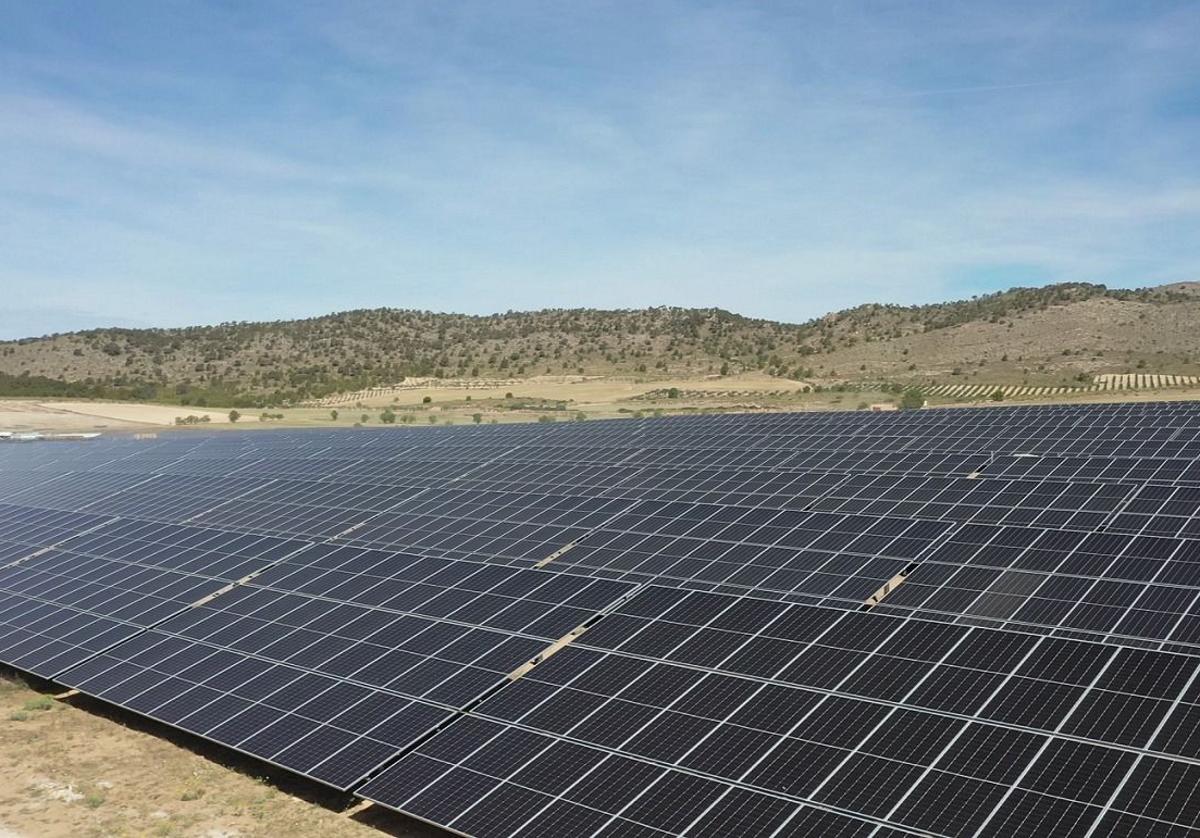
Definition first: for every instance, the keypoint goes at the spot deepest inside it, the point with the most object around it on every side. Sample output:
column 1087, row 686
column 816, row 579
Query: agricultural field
column 1115, row 386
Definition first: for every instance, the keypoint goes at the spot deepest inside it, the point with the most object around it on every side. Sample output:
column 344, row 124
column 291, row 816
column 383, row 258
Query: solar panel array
column 941, row 622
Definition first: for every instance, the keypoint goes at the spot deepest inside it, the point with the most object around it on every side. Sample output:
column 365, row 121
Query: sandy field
column 25, row 415
column 584, row 392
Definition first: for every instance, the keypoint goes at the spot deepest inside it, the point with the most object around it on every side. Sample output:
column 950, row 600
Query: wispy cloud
column 776, row 161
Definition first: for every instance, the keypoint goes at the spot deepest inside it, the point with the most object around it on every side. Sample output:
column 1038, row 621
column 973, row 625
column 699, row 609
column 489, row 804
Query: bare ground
column 82, row 768
column 61, row 416
column 556, row 397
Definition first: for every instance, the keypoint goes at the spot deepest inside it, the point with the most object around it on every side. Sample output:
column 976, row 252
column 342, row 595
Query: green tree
column 913, row 399
column 997, row 395
column 388, row 416
column 477, row 418
column 673, row 393
column 427, row 400
column 364, row 418
column 333, row 414
column 234, row 416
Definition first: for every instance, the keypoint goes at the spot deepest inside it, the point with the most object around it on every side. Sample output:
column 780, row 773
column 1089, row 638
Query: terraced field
column 1104, row 383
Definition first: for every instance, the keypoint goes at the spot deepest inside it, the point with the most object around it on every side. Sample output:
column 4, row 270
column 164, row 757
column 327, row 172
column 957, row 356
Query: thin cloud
column 477, row 159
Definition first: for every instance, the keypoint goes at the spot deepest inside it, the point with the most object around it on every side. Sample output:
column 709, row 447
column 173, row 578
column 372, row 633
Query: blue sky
column 164, row 163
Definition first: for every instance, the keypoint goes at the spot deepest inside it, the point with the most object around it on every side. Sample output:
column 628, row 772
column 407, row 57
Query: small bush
column 41, row 703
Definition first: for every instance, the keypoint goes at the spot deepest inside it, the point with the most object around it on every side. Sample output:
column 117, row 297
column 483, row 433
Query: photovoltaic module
column 949, row 622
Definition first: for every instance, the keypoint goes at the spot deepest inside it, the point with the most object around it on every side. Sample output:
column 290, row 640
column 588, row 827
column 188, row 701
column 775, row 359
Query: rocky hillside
column 1052, row 333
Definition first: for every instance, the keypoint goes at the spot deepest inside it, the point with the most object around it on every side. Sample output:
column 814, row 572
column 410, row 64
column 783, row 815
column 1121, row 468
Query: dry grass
column 79, row 768
column 1040, row 348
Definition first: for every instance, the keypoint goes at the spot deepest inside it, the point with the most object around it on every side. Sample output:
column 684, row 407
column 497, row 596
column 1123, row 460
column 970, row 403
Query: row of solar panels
column 1057, row 425
column 1032, row 675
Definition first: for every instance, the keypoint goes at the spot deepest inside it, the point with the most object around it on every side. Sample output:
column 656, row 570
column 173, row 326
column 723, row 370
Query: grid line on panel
column 886, row 718
column 766, row 755
column 137, row 628
column 608, row 817
column 474, row 594
column 549, row 651
column 834, row 691
column 1097, row 676
column 893, row 584
column 962, row 731
column 1029, row 766
column 1120, row 787
column 871, row 468
column 668, row 767
column 208, row 510
column 1180, row 555
column 207, row 733
column 42, row 550
column 123, row 490
column 1030, row 762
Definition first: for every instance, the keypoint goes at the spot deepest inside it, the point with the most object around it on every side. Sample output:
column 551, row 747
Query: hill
column 1041, row 336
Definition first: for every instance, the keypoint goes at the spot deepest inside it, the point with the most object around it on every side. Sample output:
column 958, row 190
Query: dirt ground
column 561, row 398
column 79, row 768
column 61, row 416
column 591, row 391
column 596, row 398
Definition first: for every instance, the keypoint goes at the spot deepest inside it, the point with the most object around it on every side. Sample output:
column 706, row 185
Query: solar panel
column 867, row 716
column 1123, row 587
column 937, row 622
